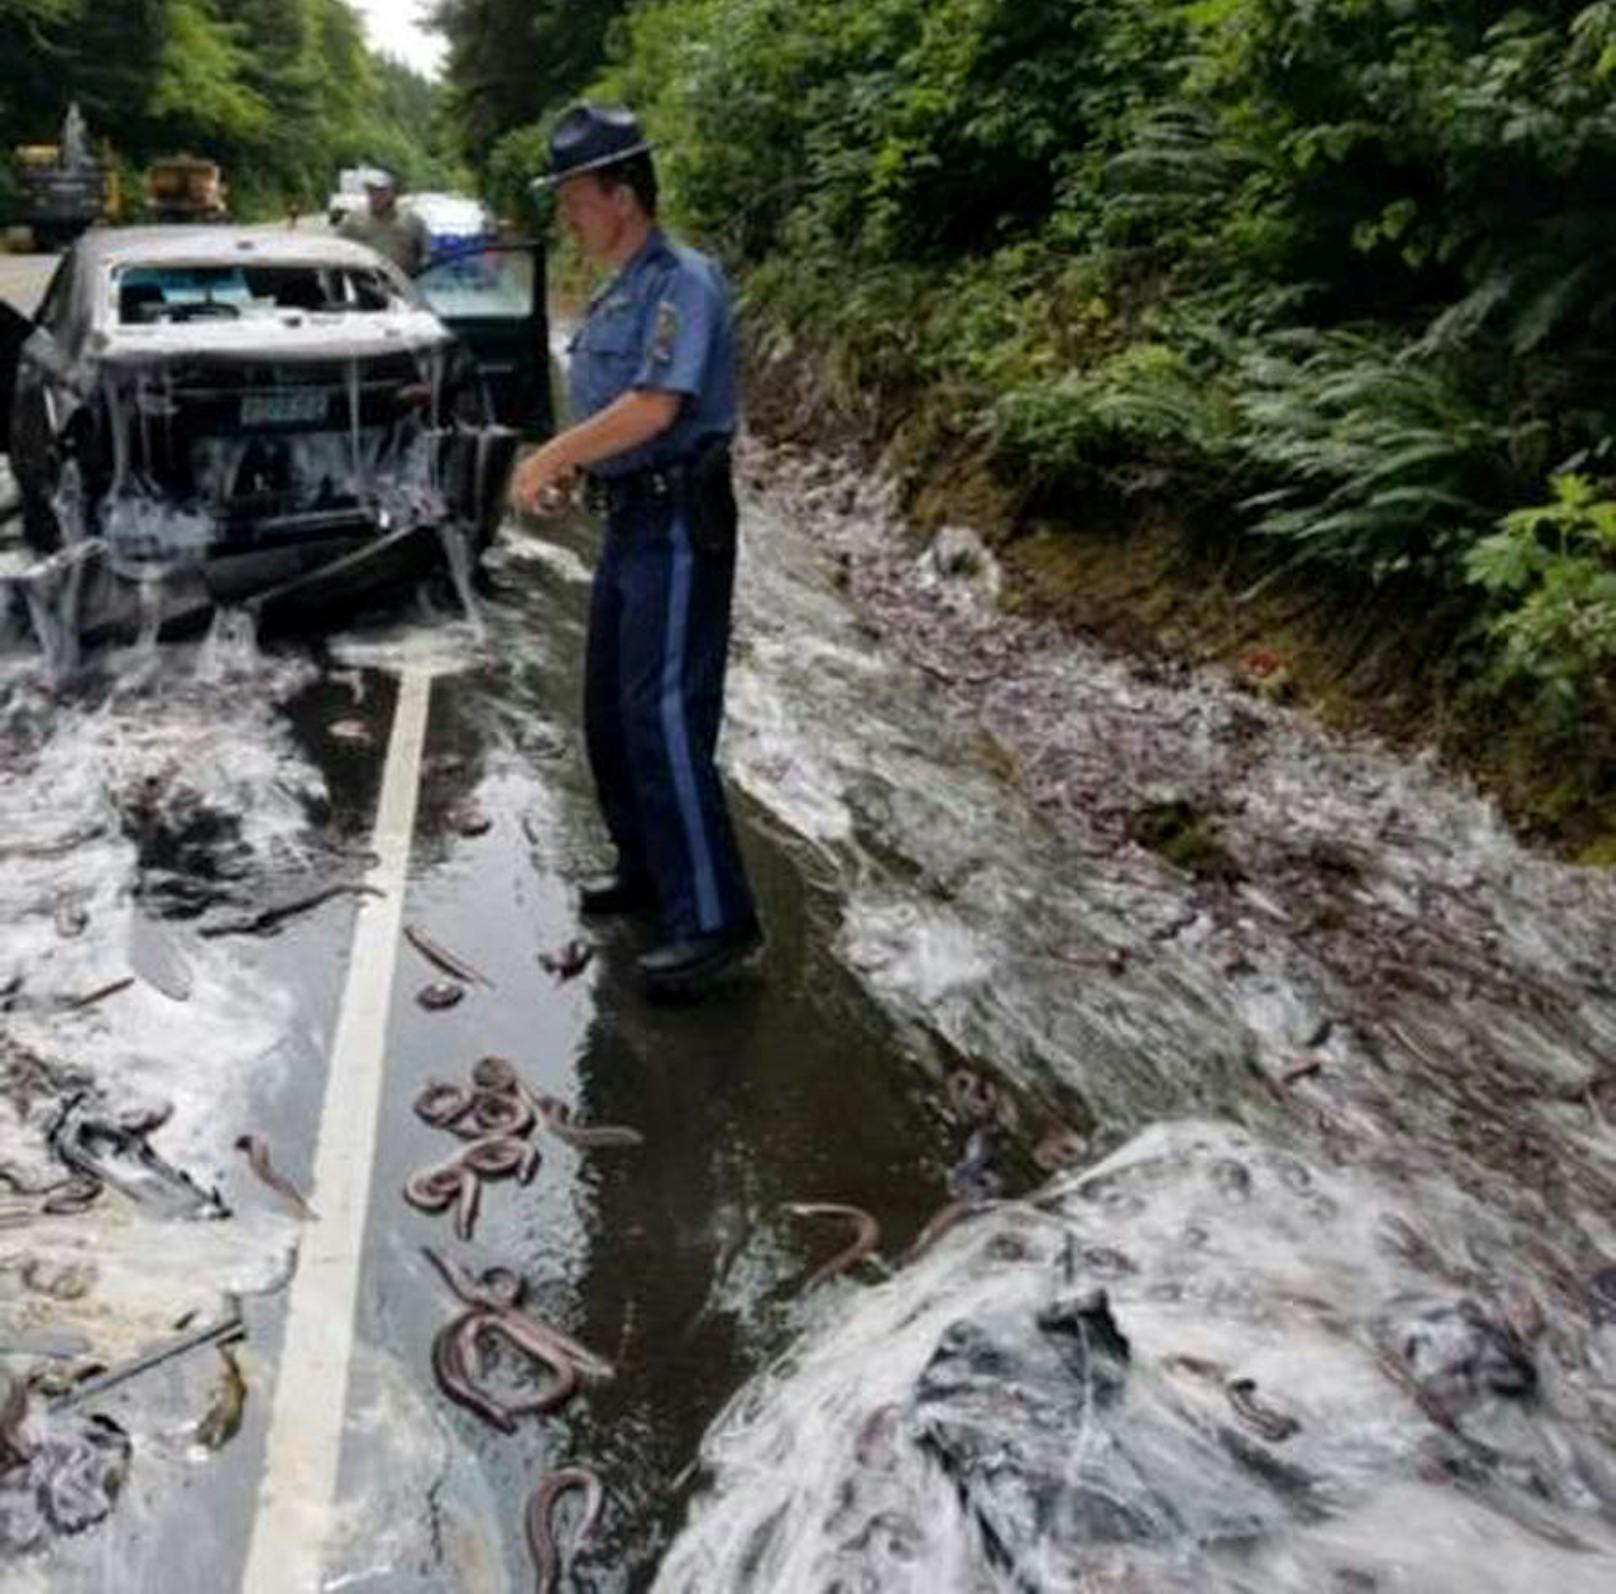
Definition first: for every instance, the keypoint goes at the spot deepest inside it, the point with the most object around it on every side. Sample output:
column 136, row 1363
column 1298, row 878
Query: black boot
column 684, row 968
column 615, row 893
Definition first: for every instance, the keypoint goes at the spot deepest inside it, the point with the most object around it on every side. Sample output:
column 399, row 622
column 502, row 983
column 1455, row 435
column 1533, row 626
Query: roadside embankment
column 1402, row 657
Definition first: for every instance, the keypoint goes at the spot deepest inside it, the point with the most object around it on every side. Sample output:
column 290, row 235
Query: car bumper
column 310, row 585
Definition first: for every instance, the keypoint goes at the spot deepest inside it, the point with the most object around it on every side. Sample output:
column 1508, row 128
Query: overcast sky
column 393, row 30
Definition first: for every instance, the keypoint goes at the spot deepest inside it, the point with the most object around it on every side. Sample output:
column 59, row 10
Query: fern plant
column 1377, row 461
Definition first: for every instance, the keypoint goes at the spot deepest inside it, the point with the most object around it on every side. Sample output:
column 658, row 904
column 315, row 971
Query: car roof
column 151, row 246
column 102, row 251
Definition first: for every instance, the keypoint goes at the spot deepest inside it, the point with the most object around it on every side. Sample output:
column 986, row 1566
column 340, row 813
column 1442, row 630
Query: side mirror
column 15, row 330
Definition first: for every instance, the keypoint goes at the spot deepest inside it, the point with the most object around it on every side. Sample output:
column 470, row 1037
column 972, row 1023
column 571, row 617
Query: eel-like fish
column 556, row 1116
column 499, row 1076
column 568, row 961
column 541, row 1540
column 942, row 1221
column 258, row 1159
column 443, row 958
column 866, row 1236
column 268, row 918
column 458, row 1181
column 1274, row 1426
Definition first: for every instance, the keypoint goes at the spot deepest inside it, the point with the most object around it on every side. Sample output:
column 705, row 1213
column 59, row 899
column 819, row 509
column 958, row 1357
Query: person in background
column 399, row 234
column 653, row 385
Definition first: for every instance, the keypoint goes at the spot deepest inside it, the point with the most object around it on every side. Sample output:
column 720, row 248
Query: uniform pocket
column 613, row 341
column 605, row 361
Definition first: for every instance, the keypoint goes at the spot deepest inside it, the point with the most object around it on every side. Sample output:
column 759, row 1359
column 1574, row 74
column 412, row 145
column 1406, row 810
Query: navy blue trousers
column 659, row 623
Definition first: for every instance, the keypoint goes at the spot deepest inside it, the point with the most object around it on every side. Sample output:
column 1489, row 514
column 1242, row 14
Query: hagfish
column 866, row 1236
column 458, row 1181
column 443, row 958
column 492, row 1312
column 556, row 1116
column 257, row 1152
column 499, row 1075
column 540, row 1519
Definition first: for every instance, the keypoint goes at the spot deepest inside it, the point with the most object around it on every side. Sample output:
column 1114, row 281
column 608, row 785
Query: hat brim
column 617, row 156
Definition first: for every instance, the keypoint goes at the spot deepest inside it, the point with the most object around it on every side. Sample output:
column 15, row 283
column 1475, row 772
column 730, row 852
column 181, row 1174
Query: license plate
column 282, row 409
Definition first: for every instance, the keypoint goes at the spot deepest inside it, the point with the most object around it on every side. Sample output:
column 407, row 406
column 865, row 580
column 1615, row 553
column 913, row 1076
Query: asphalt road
column 23, row 279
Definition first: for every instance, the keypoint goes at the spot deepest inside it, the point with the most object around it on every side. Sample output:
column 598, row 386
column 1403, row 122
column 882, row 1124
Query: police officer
column 400, row 235
column 653, row 382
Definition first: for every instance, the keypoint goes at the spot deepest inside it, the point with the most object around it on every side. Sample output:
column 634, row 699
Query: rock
column 959, row 551
column 1455, row 1353
column 959, row 554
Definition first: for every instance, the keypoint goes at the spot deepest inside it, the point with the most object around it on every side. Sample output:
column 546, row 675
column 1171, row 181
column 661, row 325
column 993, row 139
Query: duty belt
column 645, row 486
column 649, row 485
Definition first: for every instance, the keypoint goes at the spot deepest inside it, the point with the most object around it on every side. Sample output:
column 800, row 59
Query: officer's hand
column 539, row 483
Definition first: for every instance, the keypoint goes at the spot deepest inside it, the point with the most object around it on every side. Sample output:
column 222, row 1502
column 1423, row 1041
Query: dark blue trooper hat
column 589, row 137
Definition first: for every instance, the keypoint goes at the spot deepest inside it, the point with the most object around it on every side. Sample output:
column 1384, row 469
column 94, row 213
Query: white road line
column 298, row 1494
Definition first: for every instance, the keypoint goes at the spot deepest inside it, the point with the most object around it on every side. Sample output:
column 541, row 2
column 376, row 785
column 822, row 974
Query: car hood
column 294, row 336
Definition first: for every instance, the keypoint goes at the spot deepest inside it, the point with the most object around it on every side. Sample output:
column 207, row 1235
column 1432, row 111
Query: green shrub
column 1550, row 572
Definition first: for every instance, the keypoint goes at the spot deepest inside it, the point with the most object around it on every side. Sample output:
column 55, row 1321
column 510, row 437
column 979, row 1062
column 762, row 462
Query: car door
column 32, row 370
column 492, row 297
column 15, row 328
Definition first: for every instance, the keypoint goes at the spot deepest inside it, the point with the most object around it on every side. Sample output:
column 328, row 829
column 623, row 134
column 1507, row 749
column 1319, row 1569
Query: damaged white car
column 200, row 417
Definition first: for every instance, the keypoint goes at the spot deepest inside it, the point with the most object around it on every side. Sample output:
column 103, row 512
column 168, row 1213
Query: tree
column 201, row 92
column 511, row 60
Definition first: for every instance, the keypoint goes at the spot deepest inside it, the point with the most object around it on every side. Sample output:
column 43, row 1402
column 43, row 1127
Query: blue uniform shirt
column 664, row 324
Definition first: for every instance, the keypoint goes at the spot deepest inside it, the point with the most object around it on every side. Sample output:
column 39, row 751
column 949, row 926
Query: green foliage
column 1124, row 420
column 200, row 90
column 1345, row 268
column 1340, row 272
column 519, row 157
column 1550, row 571
column 896, row 128
column 511, row 60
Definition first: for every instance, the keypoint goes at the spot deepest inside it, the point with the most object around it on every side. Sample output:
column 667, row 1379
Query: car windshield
column 485, row 283
column 170, row 293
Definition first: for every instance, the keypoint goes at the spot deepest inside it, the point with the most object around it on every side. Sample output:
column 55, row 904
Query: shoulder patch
column 665, row 332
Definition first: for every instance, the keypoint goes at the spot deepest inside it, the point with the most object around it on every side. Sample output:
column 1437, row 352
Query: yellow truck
column 185, row 188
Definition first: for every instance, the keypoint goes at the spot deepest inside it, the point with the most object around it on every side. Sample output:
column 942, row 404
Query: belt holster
column 702, row 487
column 710, row 498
